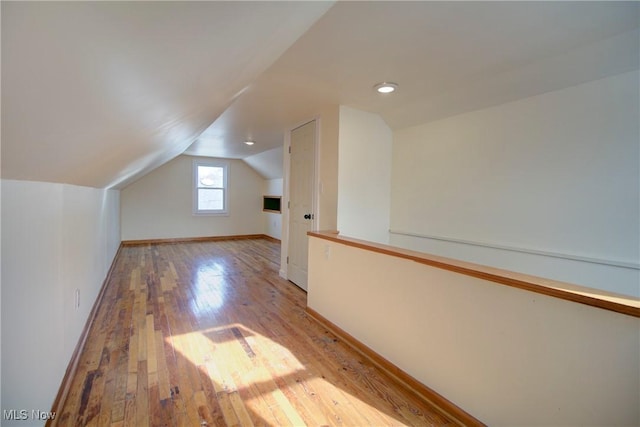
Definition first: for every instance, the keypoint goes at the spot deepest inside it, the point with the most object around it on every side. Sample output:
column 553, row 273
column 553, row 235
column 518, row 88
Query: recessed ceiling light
column 386, row 87
column 249, row 142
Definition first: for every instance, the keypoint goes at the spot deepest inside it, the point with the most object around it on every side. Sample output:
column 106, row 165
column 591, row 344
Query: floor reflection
column 210, row 288
column 209, row 333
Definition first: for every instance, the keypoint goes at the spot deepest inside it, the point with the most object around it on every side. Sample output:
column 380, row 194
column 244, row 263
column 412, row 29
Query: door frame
column 315, row 196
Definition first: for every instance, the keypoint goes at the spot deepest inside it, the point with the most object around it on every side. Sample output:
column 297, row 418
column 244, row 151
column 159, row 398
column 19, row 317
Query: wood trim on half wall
column 599, row 298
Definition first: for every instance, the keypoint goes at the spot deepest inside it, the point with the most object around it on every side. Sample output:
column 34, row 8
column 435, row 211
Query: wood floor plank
column 135, row 279
column 207, row 333
column 213, row 407
column 163, row 371
column 142, row 396
column 152, row 362
column 130, row 411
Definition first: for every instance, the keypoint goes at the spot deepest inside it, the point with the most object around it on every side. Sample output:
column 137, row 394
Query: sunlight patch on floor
column 231, row 345
column 254, row 380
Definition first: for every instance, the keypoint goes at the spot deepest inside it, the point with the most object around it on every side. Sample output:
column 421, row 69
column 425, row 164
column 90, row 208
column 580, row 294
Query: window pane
column 210, row 199
column 210, row 176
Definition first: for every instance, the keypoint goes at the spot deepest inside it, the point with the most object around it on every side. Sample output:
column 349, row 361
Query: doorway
column 302, row 151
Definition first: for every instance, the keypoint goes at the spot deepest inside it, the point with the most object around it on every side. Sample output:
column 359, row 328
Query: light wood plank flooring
column 199, row 334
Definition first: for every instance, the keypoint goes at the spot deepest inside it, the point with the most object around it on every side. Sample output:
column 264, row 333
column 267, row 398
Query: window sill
column 210, row 213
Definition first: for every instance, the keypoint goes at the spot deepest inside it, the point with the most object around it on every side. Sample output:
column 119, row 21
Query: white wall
column 56, row 238
column 556, row 173
column 507, row 356
column 327, row 169
column 273, row 221
column 160, row 204
column 364, row 175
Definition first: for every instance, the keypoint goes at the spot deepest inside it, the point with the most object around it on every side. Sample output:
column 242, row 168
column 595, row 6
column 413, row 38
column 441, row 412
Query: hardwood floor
column 208, row 334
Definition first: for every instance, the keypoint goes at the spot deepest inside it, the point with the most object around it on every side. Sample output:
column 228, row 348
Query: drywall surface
column 364, row 175
column 551, row 174
column 507, row 356
column 328, row 169
column 160, row 204
column 56, row 239
column 273, row 221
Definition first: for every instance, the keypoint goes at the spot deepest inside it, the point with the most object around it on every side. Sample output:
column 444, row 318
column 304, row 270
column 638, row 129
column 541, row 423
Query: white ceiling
column 98, row 94
column 267, row 163
column 448, row 57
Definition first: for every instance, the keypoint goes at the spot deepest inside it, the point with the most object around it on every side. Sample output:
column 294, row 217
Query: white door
column 302, row 162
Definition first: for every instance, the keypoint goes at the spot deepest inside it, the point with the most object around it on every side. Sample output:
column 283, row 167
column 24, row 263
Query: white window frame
column 225, row 189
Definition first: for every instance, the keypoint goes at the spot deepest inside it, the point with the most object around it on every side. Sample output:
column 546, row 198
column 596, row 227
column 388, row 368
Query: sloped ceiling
column 98, row 93
column 447, row 57
column 267, row 163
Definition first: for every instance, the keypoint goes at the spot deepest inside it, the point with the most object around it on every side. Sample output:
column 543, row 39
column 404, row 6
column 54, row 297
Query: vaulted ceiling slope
column 99, row 93
column 448, row 58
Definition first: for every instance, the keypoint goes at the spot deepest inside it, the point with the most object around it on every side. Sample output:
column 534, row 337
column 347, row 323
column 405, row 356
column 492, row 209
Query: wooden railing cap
column 567, row 291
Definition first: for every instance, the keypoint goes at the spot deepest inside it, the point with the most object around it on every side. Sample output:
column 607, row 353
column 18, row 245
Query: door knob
column 307, row 216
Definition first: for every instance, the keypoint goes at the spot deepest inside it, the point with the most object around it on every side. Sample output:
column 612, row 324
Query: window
column 210, row 187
